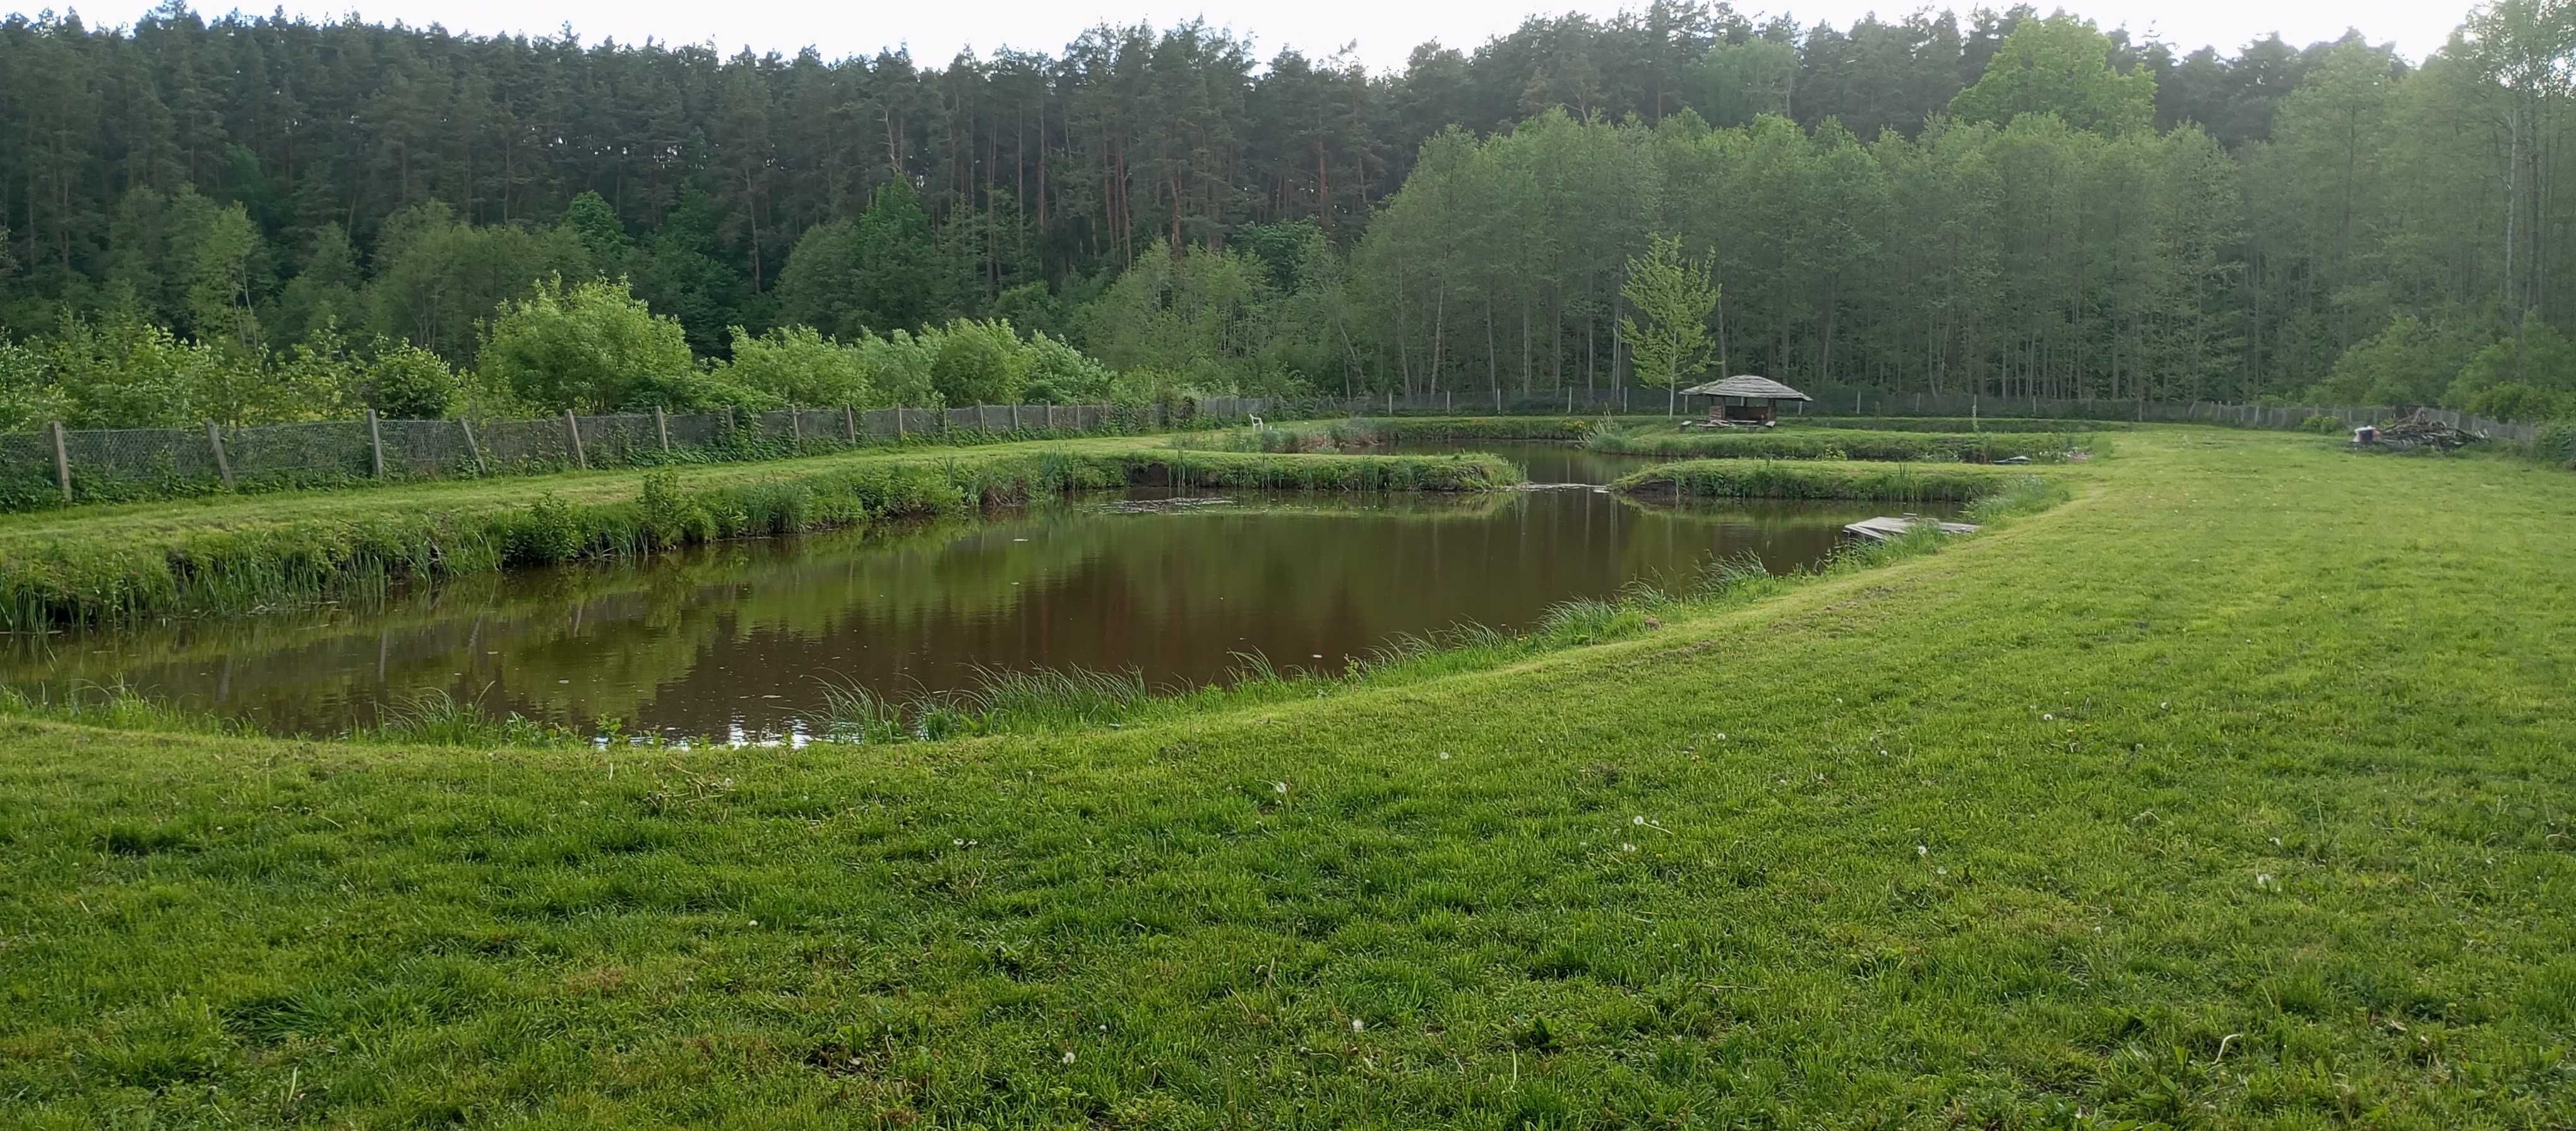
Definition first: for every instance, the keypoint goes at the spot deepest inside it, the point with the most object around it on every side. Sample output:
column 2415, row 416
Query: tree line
column 2007, row 203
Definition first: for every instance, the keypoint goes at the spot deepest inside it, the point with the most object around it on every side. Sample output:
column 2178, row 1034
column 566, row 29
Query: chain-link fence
column 58, row 466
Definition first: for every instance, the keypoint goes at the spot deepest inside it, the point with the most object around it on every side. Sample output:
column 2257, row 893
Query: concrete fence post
column 471, row 448
column 795, row 428
column 215, row 443
column 850, row 424
column 898, row 423
column 662, row 426
column 62, row 462
column 572, row 431
column 375, row 444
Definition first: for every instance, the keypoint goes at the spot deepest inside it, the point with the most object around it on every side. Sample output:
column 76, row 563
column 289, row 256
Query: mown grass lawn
column 2236, row 792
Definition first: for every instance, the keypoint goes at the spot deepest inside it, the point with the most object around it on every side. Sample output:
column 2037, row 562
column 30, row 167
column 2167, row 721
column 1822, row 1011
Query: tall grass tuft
column 1590, row 620
column 852, row 713
column 437, row 718
column 1051, row 696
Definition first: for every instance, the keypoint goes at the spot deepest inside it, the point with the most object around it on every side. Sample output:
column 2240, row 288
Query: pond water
column 733, row 640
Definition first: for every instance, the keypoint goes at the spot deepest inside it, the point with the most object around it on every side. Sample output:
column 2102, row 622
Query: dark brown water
column 732, row 640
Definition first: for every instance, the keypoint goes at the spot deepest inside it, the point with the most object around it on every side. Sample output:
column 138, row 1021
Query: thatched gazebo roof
column 1747, row 386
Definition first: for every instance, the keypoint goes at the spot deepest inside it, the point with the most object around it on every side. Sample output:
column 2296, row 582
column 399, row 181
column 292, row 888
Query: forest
column 254, row 219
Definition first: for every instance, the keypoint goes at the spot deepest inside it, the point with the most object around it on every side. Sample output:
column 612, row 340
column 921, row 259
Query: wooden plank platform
column 1885, row 528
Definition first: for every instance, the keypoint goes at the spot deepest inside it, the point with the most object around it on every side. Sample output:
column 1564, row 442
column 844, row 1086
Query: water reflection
column 735, row 635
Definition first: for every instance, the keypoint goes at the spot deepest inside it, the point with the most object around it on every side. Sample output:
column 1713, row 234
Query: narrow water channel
column 734, row 639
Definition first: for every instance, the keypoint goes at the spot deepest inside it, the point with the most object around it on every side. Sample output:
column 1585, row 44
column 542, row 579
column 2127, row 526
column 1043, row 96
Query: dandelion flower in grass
column 1626, row 847
column 1922, row 850
column 1279, row 786
column 2048, row 718
column 1639, row 820
column 2264, row 880
column 1358, row 1025
column 1068, row 1056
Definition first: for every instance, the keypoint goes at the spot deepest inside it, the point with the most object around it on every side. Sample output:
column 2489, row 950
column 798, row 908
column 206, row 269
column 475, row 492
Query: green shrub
column 671, row 518
column 2556, row 442
column 2517, row 401
column 592, row 346
column 545, row 533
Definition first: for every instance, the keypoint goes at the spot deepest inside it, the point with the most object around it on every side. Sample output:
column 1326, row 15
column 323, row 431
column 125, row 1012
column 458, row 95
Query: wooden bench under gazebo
column 1743, row 401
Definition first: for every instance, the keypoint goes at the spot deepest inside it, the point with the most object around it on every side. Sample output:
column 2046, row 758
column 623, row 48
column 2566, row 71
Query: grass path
column 2236, row 792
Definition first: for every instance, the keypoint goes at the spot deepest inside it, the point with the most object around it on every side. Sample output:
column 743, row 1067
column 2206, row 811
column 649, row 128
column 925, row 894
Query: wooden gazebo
column 1744, row 400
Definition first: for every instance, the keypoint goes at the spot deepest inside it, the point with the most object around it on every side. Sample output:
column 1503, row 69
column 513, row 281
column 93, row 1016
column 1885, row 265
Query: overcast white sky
column 1385, row 30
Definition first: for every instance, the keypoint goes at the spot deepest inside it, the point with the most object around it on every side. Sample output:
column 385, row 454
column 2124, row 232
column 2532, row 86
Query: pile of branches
column 2423, row 430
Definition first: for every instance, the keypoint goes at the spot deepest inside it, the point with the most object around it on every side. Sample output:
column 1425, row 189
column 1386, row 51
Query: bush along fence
column 60, row 467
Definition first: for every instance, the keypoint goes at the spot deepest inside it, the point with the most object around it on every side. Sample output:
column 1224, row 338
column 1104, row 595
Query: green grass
column 2193, row 801
column 1843, row 444
column 123, row 563
column 1955, row 424
column 1822, row 479
column 1363, row 433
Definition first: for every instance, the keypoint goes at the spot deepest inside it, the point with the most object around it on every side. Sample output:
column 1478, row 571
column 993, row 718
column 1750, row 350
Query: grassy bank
column 1820, row 479
column 122, row 563
column 2196, row 801
column 1359, row 434
column 1955, row 424
column 1841, row 444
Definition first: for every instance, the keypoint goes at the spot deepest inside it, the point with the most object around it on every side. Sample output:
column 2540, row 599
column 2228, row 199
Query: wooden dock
column 1885, row 528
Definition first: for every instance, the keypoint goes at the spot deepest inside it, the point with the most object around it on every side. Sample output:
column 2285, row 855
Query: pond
column 734, row 640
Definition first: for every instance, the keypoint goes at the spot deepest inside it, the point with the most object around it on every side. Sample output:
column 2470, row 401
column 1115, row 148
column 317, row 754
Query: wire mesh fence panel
column 425, row 449
column 618, row 440
column 822, row 427
column 128, row 462
column 299, row 452
column 697, row 429
column 881, row 423
column 524, row 445
column 27, row 471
